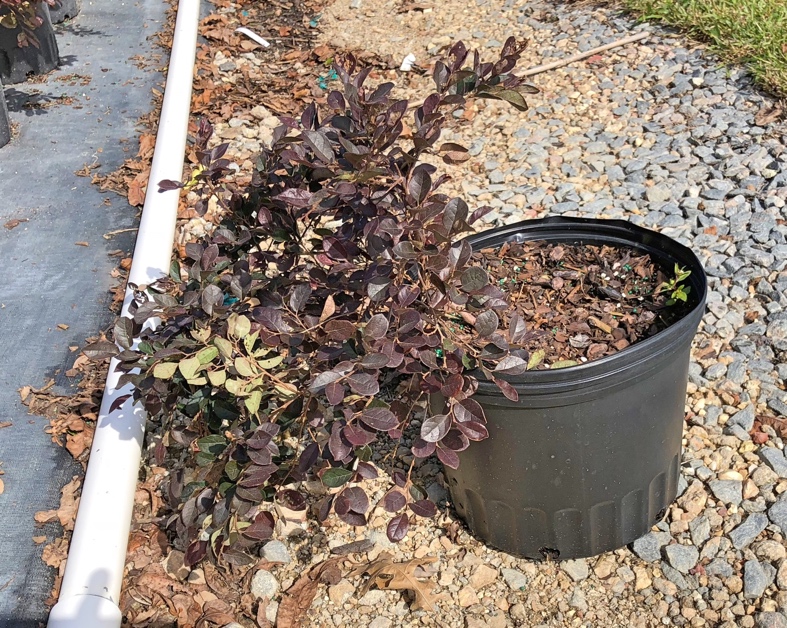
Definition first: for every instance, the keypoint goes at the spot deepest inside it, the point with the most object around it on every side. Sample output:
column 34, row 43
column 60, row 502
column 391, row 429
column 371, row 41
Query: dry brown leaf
column 5, row 424
column 769, row 113
column 77, row 443
column 136, row 189
column 66, row 513
column 297, row 600
column 146, row 144
column 62, row 326
column 39, row 539
column 55, row 553
column 386, row 574
column 2, row 486
column 13, row 224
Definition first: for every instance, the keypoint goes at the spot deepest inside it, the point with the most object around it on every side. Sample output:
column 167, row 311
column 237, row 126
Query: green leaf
column 189, row 367
column 197, row 381
column 363, row 453
column 174, row 271
column 165, row 370
column 212, row 444
column 232, row 469
column 536, row 358
column 468, row 361
column 223, row 345
column 146, row 348
column 244, row 367
column 217, row 378
column 249, row 342
column 270, row 362
column 252, row 402
column 238, row 325
column 234, row 387
column 561, row 364
column 203, row 460
column 207, row 355
column 333, row 478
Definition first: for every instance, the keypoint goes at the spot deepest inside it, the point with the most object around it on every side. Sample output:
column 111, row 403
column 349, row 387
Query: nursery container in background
column 18, row 63
column 5, row 125
column 587, row 460
column 64, row 10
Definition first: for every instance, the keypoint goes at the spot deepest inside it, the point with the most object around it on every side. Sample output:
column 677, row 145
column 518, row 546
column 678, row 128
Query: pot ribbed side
column 569, row 532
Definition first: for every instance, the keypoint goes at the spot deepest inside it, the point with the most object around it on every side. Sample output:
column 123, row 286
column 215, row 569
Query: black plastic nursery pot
column 17, row 64
column 64, row 10
column 587, row 460
column 5, row 124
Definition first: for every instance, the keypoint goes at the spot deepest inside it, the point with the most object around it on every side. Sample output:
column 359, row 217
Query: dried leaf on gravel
column 779, row 426
column 386, row 574
column 769, row 113
column 5, row 424
column 299, row 597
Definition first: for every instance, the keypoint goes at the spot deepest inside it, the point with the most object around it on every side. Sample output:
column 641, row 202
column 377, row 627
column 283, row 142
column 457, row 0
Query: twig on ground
column 583, row 55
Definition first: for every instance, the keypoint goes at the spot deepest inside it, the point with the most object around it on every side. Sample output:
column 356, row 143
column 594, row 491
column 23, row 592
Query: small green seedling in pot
column 674, row 287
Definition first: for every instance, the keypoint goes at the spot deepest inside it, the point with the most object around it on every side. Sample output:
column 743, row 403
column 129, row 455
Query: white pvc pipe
column 90, row 591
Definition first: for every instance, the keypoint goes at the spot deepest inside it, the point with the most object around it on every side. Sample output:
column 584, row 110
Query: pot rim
column 652, row 350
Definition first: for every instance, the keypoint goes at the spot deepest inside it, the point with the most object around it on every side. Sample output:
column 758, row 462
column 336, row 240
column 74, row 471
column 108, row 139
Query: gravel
column 682, row 557
column 276, row 552
column 577, row 569
column 264, row 585
column 748, row 530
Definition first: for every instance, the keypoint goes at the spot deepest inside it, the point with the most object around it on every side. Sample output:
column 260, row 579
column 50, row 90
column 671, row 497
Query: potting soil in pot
column 582, row 302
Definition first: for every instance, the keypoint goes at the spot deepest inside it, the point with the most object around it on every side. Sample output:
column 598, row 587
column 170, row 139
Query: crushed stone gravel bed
column 662, row 135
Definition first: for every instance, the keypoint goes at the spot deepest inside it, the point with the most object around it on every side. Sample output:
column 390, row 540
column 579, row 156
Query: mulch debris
column 580, row 302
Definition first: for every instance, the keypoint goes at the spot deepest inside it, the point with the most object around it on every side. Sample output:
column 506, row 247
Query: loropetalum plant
column 23, row 14
column 336, row 299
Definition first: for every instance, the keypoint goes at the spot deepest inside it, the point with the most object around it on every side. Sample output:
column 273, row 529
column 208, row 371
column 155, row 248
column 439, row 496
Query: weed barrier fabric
column 48, row 279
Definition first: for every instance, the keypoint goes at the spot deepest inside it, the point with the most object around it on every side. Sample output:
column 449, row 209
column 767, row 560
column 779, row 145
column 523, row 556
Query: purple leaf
column 379, row 419
column 468, row 410
column 374, row 361
column 356, row 498
column 474, row 430
column 455, row 440
column 262, row 527
column 357, row 436
column 101, row 350
column 511, row 365
column 474, row 278
column 319, row 144
column 322, row 380
column 394, row 501
column 377, row 327
column 420, row 183
column 423, row 508
column 335, row 393
column 486, row 323
column 448, row 457
column 291, row 499
column 397, row 528
column 507, row 389
column 300, row 296
column 195, row 552
column 422, row 449
column 363, row 384
column 435, row 427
